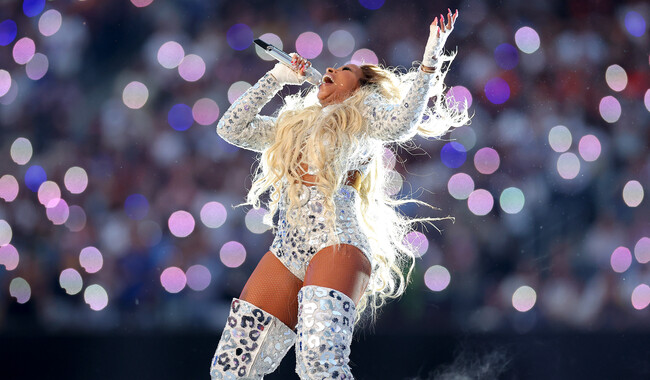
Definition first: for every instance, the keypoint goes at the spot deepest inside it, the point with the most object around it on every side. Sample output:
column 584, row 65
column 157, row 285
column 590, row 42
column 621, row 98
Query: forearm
column 241, row 125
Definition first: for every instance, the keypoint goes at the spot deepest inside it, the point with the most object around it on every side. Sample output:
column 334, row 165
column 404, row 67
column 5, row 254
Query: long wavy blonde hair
column 325, row 140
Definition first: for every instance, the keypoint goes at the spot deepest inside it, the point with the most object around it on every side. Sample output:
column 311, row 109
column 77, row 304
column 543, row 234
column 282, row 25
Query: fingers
column 445, row 26
column 300, row 64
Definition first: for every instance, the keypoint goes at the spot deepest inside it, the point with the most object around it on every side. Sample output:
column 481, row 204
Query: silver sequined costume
column 295, row 245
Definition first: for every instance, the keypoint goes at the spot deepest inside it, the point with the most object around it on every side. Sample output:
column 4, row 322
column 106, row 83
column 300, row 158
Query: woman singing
column 339, row 239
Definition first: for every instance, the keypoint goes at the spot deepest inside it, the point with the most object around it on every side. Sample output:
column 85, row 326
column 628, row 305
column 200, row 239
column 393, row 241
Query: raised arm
column 399, row 122
column 241, row 125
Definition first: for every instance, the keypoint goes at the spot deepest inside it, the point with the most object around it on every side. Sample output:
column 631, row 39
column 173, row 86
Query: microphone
column 311, row 74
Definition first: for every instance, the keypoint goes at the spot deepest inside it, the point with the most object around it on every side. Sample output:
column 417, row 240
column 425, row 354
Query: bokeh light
column 232, row 254
column 610, row 109
column 364, row 56
column 453, row 155
column 91, row 259
column 59, row 213
column 181, row 223
column 198, row 277
column 136, row 206
column 641, row 297
column 173, row 279
column 460, row 185
column 418, row 241
column 213, row 214
column 527, row 39
column 309, row 45
column 457, row 96
column 34, row 176
column 170, row 54
column 10, row 96
column 341, row 43
column 255, row 220
column 372, row 4
column 589, row 148
column 388, row 159
column 524, row 298
column 141, row 3
column 77, row 219
column 9, row 257
column 633, row 193
column 33, row 8
column 5, row 233
column 486, row 160
column 642, row 250
column 646, row 100
column 205, row 111
column 506, row 56
column 616, row 77
column 236, row 90
column 394, row 182
column 8, row 32
column 96, row 297
column 512, row 200
column 49, row 194
column 24, row 50
column 480, row 202
column 70, row 280
column 135, row 95
column 635, row 24
column 621, row 259
column 21, row 151
column 19, row 288
column 37, row 67
column 437, row 278
column 180, row 117
column 239, row 36
column 5, row 82
column 75, row 180
column 272, row 39
column 497, row 90
column 49, row 22
column 191, row 68
column 568, row 165
column 8, row 188
column 560, row 139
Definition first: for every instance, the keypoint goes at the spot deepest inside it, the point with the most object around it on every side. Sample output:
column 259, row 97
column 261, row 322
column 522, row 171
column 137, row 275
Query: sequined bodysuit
column 296, row 243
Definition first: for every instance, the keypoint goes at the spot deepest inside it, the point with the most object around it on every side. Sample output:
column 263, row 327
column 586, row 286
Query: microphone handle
column 311, row 74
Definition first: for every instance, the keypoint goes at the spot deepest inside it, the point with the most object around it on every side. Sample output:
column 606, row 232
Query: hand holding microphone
column 293, row 69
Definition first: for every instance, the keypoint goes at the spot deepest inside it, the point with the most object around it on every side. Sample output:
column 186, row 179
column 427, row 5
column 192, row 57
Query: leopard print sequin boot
column 325, row 325
column 252, row 344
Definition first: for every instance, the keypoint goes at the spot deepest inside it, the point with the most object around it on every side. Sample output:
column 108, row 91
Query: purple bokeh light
column 497, row 90
column 8, row 32
column 621, row 259
column 309, row 45
column 371, row 4
column 180, row 117
column 136, row 206
column 453, row 154
column 457, row 96
column 506, row 56
column 635, row 24
column 34, row 177
column 486, row 160
column 33, row 8
column 239, row 36
column 232, row 254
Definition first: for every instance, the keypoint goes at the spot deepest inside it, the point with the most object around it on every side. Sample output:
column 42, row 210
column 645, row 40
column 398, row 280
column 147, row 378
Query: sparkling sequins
column 241, row 125
column 295, row 245
column 325, row 327
column 252, row 344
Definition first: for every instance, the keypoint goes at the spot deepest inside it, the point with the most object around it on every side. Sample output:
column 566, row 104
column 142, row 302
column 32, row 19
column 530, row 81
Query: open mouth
column 328, row 79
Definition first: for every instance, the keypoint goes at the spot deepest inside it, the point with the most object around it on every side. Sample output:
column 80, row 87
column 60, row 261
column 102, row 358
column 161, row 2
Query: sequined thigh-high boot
column 325, row 325
column 252, row 344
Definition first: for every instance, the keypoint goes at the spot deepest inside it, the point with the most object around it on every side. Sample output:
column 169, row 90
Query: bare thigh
column 274, row 289
column 341, row 267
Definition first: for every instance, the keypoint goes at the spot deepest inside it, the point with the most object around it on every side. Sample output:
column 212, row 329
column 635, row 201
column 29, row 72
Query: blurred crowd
column 560, row 243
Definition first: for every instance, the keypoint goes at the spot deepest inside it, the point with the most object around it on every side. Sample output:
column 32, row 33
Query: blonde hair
column 325, row 141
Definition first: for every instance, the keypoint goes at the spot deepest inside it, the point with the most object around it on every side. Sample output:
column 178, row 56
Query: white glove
column 438, row 34
column 285, row 75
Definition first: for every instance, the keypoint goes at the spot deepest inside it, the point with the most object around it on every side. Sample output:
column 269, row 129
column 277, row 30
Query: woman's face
column 339, row 84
